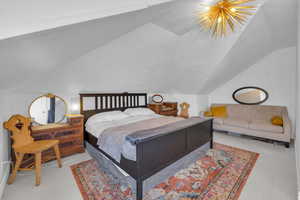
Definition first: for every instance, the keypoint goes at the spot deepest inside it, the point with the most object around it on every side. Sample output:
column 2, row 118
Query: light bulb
column 232, row 9
column 75, row 108
column 204, row 8
column 219, row 19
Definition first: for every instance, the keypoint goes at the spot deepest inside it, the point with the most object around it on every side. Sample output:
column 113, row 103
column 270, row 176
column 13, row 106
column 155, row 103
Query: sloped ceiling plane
column 154, row 48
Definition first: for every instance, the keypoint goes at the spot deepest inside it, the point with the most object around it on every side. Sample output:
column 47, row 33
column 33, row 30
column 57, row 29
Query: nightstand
column 166, row 108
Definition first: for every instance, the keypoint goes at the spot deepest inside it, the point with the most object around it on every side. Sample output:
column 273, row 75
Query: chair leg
column 19, row 158
column 38, row 162
column 57, row 153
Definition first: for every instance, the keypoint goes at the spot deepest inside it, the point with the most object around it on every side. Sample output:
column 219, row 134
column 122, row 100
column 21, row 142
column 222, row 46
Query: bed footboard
column 155, row 154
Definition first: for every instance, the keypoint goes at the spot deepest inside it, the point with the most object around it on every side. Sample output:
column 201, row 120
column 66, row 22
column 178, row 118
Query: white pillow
column 106, row 116
column 138, row 111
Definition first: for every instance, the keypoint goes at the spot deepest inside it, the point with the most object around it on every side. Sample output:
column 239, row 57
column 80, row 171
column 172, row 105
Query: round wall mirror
column 157, row 98
column 48, row 109
column 250, row 95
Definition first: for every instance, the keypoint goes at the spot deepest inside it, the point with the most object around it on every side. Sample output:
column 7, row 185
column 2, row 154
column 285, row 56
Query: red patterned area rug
column 220, row 175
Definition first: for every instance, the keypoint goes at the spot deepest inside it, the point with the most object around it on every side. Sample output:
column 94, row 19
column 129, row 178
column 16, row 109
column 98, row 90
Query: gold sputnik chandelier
column 224, row 14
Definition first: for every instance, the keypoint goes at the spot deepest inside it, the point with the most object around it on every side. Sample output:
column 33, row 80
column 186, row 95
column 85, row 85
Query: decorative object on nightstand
column 165, row 108
column 157, row 98
column 184, row 110
column 23, row 144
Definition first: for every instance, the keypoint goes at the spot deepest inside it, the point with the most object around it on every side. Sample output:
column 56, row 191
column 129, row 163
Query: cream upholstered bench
column 255, row 120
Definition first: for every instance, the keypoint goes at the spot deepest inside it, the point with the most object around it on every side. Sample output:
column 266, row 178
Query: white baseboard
column 4, row 179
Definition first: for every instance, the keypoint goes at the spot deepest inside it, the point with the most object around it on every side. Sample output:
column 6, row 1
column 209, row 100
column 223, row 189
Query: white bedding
column 97, row 128
column 129, row 150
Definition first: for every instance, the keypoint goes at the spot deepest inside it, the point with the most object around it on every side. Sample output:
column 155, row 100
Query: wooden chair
column 23, row 144
column 184, row 110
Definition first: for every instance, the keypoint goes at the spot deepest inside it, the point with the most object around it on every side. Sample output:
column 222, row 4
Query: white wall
column 276, row 73
column 148, row 58
column 297, row 140
column 133, row 62
column 3, row 150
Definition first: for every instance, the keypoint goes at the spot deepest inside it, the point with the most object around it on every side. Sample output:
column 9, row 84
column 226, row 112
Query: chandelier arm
column 224, row 23
column 214, row 20
column 231, row 24
column 244, row 7
column 238, row 18
column 244, row 12
column 215, row 24
column 240, row 2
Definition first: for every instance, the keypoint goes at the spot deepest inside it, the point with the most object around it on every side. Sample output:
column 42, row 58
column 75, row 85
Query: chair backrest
column 184, row 110
column 18, row 126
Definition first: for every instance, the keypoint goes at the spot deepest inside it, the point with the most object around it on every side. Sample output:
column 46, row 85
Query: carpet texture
column 220, row 175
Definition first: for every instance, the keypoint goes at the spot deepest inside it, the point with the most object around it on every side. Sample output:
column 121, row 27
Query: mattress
column 128, row 149
column 119, row 138
column 98, row 128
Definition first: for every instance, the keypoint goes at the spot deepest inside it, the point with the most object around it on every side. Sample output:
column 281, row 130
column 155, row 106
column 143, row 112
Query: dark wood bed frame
column 152, row 155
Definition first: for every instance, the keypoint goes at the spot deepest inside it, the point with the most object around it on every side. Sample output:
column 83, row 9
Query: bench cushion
column 263, row 125
column 237, row 122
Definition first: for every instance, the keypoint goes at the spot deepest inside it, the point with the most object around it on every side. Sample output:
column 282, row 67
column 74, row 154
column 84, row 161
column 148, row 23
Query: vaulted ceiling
column 159, row 48
column 23, row 17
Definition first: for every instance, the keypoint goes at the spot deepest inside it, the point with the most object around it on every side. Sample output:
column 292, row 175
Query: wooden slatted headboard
column 104, row 102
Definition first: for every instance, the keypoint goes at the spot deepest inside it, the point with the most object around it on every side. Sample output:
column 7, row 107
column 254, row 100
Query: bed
column 152, row 153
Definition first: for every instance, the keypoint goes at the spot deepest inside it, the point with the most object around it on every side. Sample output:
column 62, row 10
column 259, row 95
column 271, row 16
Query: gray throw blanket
column 122, row 139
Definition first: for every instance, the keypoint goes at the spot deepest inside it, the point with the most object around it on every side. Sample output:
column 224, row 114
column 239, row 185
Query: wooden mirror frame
column 250, row 87
column 49, row 95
